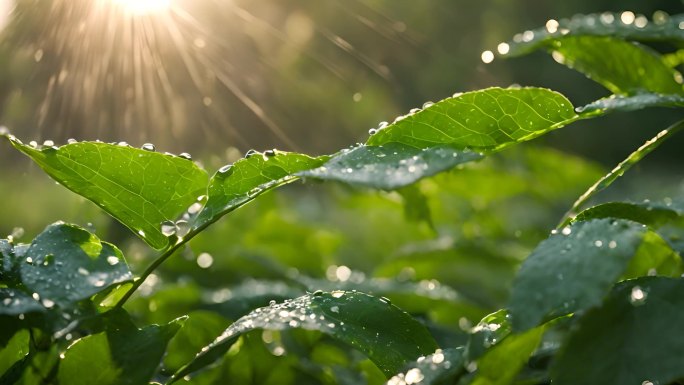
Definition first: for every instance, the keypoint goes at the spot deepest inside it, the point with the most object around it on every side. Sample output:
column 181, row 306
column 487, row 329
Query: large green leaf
column 140, row 188
column 390, row 166
column 572, row 269
column 436, row 368
column 634, row 27
column 389, row 336
column 123, row 355
column 65, row 264
column 489, row 118
column 633, row 338
column 235, row 185
column 622, row 67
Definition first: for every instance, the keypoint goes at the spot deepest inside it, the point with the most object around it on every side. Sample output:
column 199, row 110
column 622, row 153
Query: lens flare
column 143, row 7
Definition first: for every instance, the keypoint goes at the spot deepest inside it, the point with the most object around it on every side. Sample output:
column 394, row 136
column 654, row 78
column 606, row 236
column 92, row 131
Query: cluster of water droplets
column 608, row 22
column 430, row 368
column 384, row 124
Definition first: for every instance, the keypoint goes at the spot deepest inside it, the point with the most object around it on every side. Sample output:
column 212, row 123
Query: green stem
column 619, row 170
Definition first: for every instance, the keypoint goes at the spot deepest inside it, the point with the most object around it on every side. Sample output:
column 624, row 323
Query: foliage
column 582, row 306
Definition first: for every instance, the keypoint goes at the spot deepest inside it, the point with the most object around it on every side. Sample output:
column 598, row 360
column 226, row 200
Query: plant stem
column 619, row 170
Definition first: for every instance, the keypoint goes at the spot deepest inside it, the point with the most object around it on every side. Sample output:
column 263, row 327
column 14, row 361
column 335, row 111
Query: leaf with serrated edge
column 489, row 118
column 390, row 337
column 236, row 185
column 139, row 188
column 390, row 166
column 572, row 270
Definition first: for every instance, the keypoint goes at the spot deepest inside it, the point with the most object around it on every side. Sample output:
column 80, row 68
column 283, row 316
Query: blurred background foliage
column 215, row 78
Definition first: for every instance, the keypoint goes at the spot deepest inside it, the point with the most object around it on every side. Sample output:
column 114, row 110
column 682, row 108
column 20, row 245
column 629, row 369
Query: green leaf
column 631, row 103
column 489, row 118
column 436, row 368
column 501, row 363
column 65, row 264
column 16, row 302
column 622, row 67
column 390, row 166
column 234, row 186
column 652, row 214
column 387, row 335
column 123, row 355
column 634, row 337
column 572, row 270
column 622, row 167
column 140, row 188
column 604, row 24
column 200, row 329
column 16, row 349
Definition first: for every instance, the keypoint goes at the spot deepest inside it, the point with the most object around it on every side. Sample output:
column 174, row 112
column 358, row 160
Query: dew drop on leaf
column 168, row 228
column 148, row 147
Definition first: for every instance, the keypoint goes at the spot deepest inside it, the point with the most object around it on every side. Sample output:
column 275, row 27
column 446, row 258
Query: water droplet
column 123, row 144
column 185, row 155
column 487, row 57
column 503, row 48
column 141, row 233
column 627, row 17
column 318, row 293
column 194, row 208
column 428, row 104
column 386, row 300
column 250, row 153
column 36, row 296
column 83, row 271
column 225, row 169
column 598, row 243
column 33, row 144
column 29, row 260
column 612, row 244
column 72, row 141
column 335, row 309
column 552, row 26
column 48, row 303
column 438, row 357
column 527, row 36
column 337, row 293
column 148, row 147
column 205, row 260
column 182, row 228
column 372, row 131
column 168, row 228
column 637, row 296
column 4, row 130
column 253, row 192
column 48, row 143
column 414, row 376
column 566, row 230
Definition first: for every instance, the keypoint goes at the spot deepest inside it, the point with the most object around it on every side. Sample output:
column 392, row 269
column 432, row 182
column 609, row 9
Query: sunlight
column 143, row 7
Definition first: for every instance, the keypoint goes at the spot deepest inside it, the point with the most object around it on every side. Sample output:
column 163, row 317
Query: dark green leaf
column 16, row 349
column 634, row 337
column 140, row 188
column 120, row 356
column 604, row 24
column 622, row 67
column 492, row 329
column 65, row 264
column 16, row 302
column 572, row 269
column 389, row 337
column 389, row 166
column 200, row 329
column 234, row 186
column 631, row 103
column 489, row 118
column 437, row 368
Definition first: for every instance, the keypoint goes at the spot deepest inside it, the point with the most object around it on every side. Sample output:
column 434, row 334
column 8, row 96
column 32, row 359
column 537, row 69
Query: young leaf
column 652, row 214
column 123, row 355
column 572, row 269
column 390, row 337
column 140, row 188
column 489, row 118
column 65, row 264
column 236, row 185
column 622, row 67
column 437, row 368
column 390, row 166
column 611, row 344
